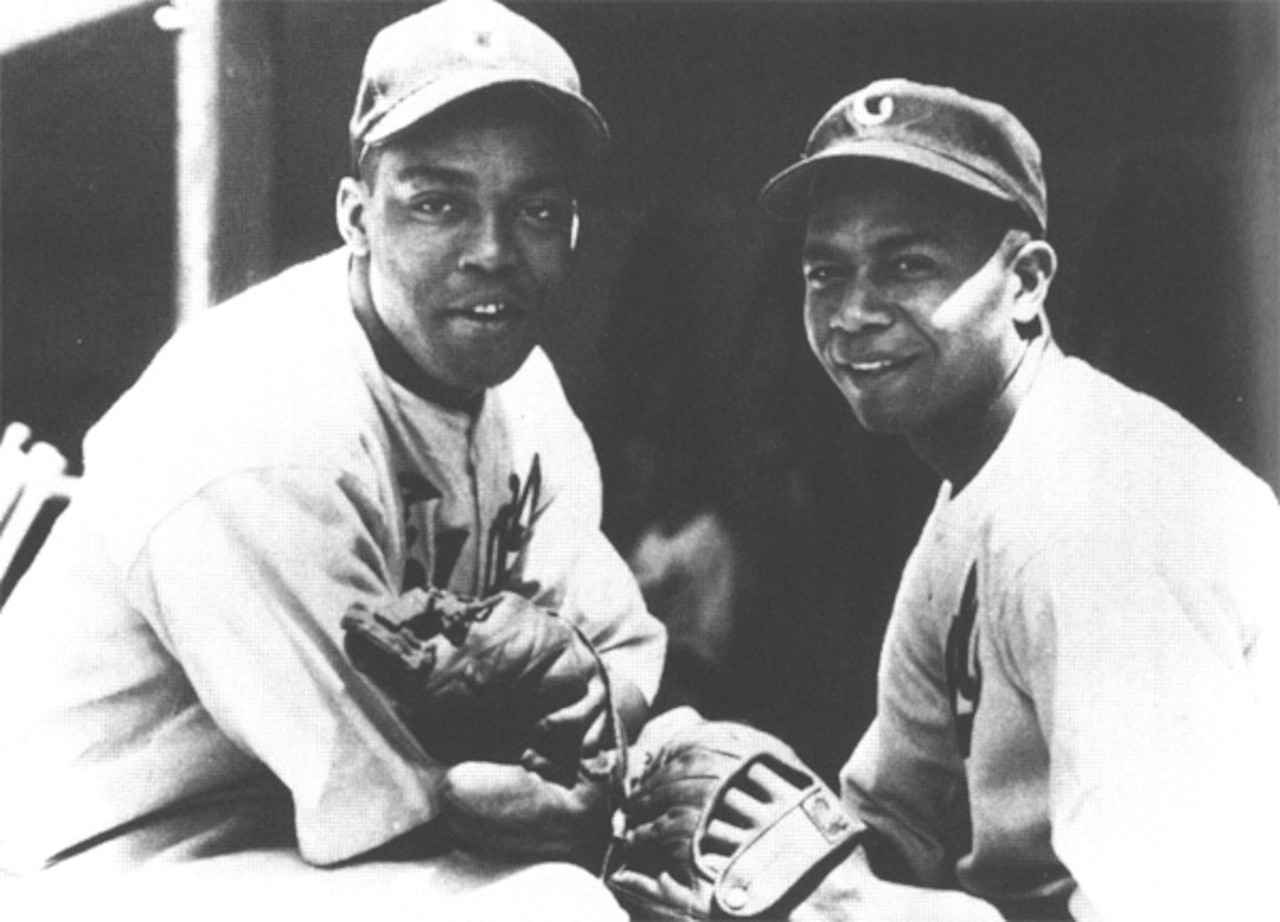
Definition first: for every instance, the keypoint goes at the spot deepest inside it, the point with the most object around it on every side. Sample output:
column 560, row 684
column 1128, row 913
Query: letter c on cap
column 863, row 114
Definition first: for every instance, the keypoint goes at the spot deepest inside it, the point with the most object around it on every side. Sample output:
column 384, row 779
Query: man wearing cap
column 174, row 682
column 1072, row 716
column 1076, row 710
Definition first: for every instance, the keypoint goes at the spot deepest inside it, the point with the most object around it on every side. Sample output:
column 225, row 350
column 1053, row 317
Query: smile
column 871, row 367
column 498, row 313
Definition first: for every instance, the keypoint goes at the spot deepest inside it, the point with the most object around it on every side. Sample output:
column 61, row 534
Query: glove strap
column 610, row 764
column 805, row 834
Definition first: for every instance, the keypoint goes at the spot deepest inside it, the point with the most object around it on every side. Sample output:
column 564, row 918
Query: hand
column 512, row 811
column 850, row 892
column 488, row 679
column 558, row 803
column 725, row 820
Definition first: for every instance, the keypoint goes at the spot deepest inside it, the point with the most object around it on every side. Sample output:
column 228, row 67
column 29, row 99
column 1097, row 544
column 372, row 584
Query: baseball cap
column 971, row 141
column 452, row 49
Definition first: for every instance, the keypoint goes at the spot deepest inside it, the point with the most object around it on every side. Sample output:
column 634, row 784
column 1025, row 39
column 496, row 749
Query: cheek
column 411, row 247
column 975, row 308
column 548, row 262
column 815, row 326
column 402, row 256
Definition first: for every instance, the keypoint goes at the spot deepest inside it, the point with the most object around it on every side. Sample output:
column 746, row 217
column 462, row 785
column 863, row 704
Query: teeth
column 870, row 366
column 488, row 310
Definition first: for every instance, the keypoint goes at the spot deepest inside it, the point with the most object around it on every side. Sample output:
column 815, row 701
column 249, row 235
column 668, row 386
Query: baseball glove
column 476, row 679
column 726, row 821
column 516, row 700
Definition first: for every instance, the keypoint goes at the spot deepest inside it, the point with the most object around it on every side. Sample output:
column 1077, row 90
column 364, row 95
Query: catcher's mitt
column 516, row 699
column 726, row 821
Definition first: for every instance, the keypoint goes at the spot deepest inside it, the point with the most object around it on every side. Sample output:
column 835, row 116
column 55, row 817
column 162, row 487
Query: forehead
column 900, row 201
column 480, row 146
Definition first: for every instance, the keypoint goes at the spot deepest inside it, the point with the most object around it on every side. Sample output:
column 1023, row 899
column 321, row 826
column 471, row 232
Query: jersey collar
column 392, row 357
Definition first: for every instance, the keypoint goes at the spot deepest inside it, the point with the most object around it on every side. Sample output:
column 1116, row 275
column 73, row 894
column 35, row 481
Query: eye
column 547, row 213
column 817, row 275
column 912, row 265
column 437, row 205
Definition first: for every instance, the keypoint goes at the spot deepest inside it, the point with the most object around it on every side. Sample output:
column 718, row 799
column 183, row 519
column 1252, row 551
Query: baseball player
column 1075, row 704
column 364, row 458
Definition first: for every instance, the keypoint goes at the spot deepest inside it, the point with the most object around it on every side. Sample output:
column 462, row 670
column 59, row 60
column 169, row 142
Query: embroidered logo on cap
column 487, row 45
column 864, row 115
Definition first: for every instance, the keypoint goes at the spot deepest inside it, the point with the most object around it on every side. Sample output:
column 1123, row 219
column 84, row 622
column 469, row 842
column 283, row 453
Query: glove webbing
column 803, row 835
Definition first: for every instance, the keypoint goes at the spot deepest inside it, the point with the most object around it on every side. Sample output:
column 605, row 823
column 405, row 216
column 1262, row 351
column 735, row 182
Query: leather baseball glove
column 725, row 821
column 516, row 700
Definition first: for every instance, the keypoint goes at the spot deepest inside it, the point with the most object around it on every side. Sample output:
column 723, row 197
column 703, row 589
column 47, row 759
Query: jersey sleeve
column 904, row 779
column 567, row 558
column 1162, row 747
column 245, row 584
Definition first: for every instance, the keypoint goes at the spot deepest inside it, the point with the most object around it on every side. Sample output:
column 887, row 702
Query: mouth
column 871, row 367
column 490, row 313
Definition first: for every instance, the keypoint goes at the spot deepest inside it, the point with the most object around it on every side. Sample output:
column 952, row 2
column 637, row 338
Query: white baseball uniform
column 1073, row 705
column 171, row 667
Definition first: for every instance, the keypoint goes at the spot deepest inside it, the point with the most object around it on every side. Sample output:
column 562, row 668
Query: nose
column 489, row 246
column 860, row 307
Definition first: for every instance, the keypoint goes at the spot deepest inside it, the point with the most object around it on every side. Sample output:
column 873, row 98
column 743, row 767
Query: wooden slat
column 224, row 157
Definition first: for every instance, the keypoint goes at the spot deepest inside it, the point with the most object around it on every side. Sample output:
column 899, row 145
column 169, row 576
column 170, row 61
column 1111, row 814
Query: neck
column 393, row 358
column 958, row 450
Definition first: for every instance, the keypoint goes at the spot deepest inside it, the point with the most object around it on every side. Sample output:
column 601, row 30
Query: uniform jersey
column 1073, row 704
column 175, row 649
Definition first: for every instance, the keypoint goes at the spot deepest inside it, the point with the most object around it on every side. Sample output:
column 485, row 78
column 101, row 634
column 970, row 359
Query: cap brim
column 439, row 93
column 786, row 195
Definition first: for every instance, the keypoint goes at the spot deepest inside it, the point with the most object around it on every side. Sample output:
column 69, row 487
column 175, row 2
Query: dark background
column 683, row 333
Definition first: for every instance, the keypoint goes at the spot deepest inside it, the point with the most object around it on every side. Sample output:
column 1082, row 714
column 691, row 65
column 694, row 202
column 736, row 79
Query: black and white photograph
column 625, row 460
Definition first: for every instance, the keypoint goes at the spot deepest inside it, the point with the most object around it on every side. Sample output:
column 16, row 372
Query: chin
column 492, row 370
column 876, row 418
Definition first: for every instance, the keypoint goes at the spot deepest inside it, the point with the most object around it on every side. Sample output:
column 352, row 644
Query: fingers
column 765, row 783
column 735, row 819
column 580, row 724
column 506, row 809
column 747, row 806
column 557, row 767
column 582, row 711
column 754, row 797
column 561, row 743
column 664, row 841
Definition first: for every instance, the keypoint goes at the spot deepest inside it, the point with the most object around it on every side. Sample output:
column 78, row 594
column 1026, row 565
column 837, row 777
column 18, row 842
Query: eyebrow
column 823, row 249
column 820, row 250
column 422, row 172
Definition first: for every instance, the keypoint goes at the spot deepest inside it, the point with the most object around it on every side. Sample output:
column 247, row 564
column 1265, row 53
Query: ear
column 1033, row 266
column 350, row 214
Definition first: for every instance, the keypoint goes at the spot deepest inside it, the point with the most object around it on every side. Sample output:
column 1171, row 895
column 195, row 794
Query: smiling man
column 369, row 436
column 1075, row 713
column 883, row 254
column 1076, row 710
